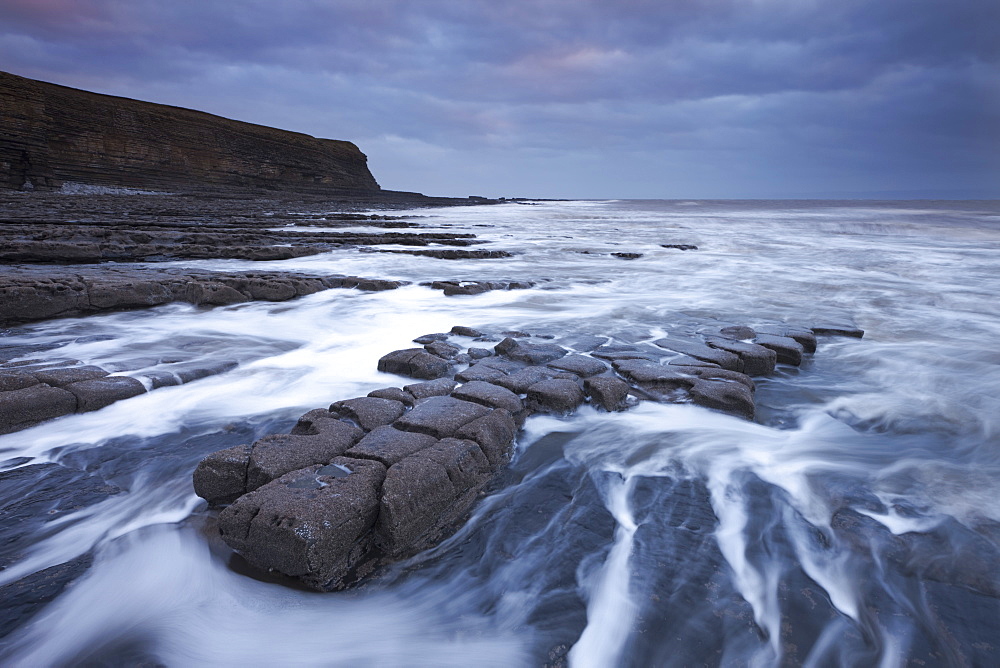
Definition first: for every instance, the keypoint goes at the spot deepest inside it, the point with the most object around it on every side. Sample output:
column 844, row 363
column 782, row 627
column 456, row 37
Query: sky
column 569, row 98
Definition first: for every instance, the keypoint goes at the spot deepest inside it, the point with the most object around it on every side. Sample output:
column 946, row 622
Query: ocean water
column 855, row 522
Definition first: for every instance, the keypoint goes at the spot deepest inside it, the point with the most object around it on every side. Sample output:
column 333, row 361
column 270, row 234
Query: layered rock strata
column 375, row 478
column 51, row 134
column 28, row 295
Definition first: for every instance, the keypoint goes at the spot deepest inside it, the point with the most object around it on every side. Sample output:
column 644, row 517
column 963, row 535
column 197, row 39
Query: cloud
column 793, row 94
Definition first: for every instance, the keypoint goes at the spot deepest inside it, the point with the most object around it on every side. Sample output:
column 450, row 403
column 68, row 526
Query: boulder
column 581, row 365
column 487, row 394
column 415, row 363
column 531, row 353
column 390, row 445
column 606, row 392
column 395, row 394
column 428, row 491
column 757, row 360
column 13, row 380
column 440, row 417
column 369, row 412
column 221, row 477
column 650, row 374
column 521, row 380
column 788, row 350
column 97, row 393
column 494, row 432
column 316, row 523
column 430, row 338
column 805, row 336
column 479, row 353
column 441, row 387
column 443, row 349
column 729, row 397
column 700, row 351
column 466, row 331
column 273, row 456
column 29, row 405
column 555, row 396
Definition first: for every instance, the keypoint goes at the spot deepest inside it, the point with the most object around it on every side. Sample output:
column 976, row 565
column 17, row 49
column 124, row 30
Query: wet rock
column 451, row 288
column 788, row 350
column 73, row 374
column 430, row 338
column 838, row 330
column 683, row 247
column 555, row 396
column 10, row 381
column 487, row 394
column 519, row 381
column 651, row 374
column 369, row 412
column 479, row 353
column 494, row 432
column 221, row 477
column 616, row 351
column 700, row 351
column 426, row 492
column 314, row 523
column 440, row 416
column 684, row 360
column 22, row 408
column 196, row 371
column 466, row 331
column 606, row 392
column 480, row 372
column 92, row 395
column 390, row 445
column 737, row 332
column 415, row 363
column 728, row 397
column 804, row 336
column 441, row 387
column 627, row 256
column 711, row 373
column 757, row 360
column 585, row 342
column 581, row 365
column 23, row 598
column 273, row 456
column 395, row 394
column 443, row 349
column 531, row 353
column 454, row 254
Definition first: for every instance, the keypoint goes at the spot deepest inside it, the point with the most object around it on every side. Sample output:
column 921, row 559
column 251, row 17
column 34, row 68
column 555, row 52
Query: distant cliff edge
column 51, row 135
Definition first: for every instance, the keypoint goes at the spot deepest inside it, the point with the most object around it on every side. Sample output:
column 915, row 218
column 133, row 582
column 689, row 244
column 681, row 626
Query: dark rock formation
column 451, row 288
column 50, row 135
column 334, row 504
column 28, row 294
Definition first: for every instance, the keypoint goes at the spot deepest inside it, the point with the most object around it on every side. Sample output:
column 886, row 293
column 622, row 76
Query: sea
column 854, row 522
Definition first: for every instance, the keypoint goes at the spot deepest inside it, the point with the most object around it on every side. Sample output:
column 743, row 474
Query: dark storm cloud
column 726, row 97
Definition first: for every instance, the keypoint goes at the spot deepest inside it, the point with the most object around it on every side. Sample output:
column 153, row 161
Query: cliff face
column 52, row 134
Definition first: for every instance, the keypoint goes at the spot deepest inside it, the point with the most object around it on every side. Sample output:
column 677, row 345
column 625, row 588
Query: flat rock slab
column 805, row 336
column 221, row 477
column 703, row 352
column 555, row 395
column 440, row 417
column 788, row 350
column 530, row 353
column 521, row 380
column 390, row 445
column 30, row 405
column 581, row 365
column 92, row 395
column 275, row 455
column 441, row 387
column 757, row 360
column 314, row 523
column 66, row 375
column 487, row 394
column 838, row 330
column 651, row 374
column 369, row 412
column 415, row 363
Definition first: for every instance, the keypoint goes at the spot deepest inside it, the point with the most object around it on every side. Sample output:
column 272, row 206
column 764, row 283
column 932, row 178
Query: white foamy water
column 856, row 522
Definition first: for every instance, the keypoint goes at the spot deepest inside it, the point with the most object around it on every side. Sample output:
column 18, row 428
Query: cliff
column 52, row 134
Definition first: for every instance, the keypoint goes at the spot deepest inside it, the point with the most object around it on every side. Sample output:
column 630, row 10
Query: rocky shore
column 372, row 479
